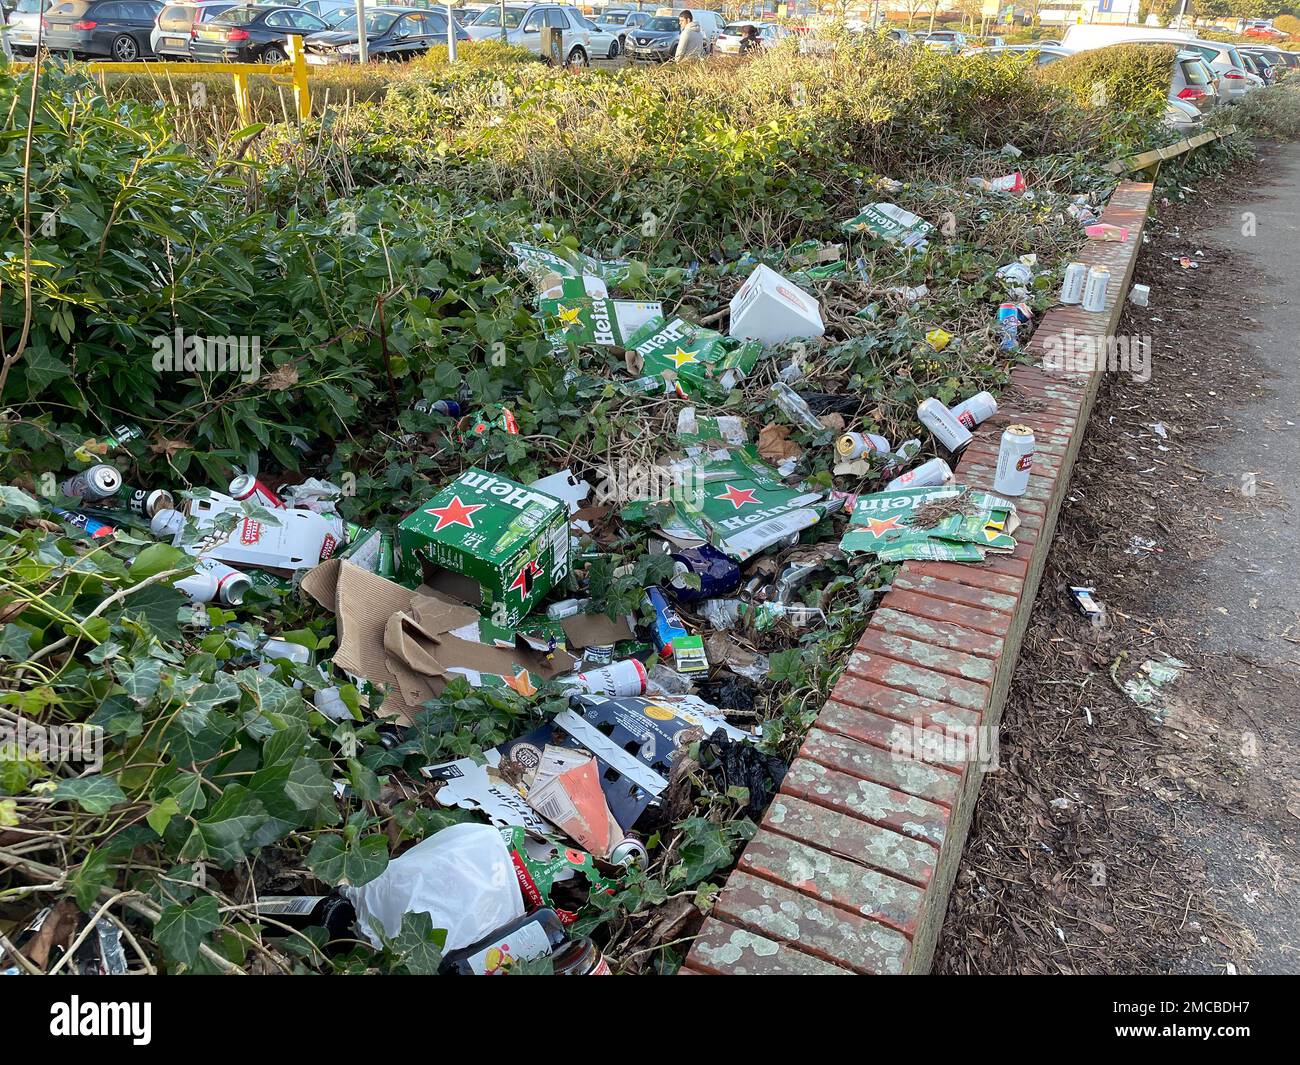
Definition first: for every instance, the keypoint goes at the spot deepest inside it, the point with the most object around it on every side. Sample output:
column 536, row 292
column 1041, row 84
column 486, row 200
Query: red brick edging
column 852, row 865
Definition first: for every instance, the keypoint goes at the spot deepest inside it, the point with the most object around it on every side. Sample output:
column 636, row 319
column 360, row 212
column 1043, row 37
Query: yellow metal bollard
column 301, row 93
column 243, row 104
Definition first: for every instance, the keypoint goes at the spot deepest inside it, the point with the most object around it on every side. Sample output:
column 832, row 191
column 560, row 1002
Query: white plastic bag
column 462, row 877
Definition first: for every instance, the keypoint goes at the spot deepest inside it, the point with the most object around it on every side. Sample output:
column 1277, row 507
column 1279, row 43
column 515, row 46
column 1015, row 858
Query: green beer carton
column 511, row 539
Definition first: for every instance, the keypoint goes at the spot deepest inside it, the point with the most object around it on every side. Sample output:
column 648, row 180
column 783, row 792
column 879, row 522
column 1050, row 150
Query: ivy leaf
column 90, row 877
column 418, row 945
column 16, row 501
column 155, row 607
column 156, row 558
column 307, row 787
column 337, row 862
column 162, row 813
column 180, row 930
column 187, row 789
column 140, row 678
column 15, row 643
column 95, row 795
column 226, row 834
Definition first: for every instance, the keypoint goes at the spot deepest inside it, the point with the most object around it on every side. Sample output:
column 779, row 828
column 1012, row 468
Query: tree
column 1288, row 24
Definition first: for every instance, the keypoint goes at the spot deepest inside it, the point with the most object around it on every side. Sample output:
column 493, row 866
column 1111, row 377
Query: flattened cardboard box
column 403, row 641
column 511, row 539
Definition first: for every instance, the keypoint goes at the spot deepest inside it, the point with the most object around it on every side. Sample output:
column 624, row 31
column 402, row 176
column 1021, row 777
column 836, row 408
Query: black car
column 253, row 34
column 117, row 29
column 392, row 33
column 179, row 23
column 655, row 41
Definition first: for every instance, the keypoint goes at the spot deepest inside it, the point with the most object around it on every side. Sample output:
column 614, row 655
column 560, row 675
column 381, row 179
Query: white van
column 1085, row 38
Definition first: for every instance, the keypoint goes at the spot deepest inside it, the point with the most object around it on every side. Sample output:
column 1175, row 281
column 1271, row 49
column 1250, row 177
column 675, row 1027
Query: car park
column 176, row 25
column 253, row 34
column 393, row 34
column 1043, row 53
column 728, row 42
column 23, row 25
column 101, row 29
column 524, row 24
column 950, row 41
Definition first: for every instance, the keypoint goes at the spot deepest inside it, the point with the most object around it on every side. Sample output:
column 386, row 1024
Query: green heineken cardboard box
column 510, row 539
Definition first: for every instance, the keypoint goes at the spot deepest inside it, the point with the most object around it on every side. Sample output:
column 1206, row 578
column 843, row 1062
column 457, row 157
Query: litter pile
column 490, row 583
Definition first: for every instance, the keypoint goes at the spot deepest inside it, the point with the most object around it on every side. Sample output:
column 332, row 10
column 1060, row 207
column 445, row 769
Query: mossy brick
column 724, row 949
column 830, row 828
column 833, row 879
column 906, row 814
column 907, row 707
column 976, row 472
column 972, row 617
column 896, row 770
column 887, row 733
column 940, row 659
column 976, row 575
column 819, row 928
column 907, row 579
column 938, row 633
column 909, row 676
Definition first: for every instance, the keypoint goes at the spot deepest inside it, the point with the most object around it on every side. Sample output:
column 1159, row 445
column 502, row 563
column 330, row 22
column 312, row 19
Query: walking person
column 690, row 45
column 749, row 42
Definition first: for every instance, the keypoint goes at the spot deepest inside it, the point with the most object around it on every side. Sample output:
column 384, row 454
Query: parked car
column 949, row 41
column 621, row 22
column 1182, row 117
column 524, row 23
column 1222, row 57
column 979, row 44
column 1194, row 81
column 728, row 42
column 253, row 34
column 1043, row 53
column 24, row 23
column 1274, row 60
column 327, row 9
column 174, row 29
column 605, row 42
column 900, row 37
column 115, row 29
column 655, row 41
column 393, row 34
column 1255, row 68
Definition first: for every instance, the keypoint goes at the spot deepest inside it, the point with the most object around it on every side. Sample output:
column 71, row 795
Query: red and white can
column 855, row 445
column 979, row 408
column 932, row 474
column 946, row 429
column 615, row 681
column 248, row 487
column 1015, row 460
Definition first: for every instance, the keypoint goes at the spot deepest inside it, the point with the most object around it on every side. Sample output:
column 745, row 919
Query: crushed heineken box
column 893, row 224
column 512, row 540
column 594, row 320
column 963, row 524
column 737, row 503
column 539, row 263
column 691, row 358
column 406, row 641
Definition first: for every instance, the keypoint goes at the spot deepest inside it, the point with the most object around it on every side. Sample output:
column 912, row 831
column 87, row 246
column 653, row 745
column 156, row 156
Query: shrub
column 1126, row 80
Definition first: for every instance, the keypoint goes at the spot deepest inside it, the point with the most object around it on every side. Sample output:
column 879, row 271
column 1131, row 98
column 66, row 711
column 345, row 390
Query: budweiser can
column 946, row 429
column 147, row 503
column 1015, row 460
column 855, row 445
column 1094, row 290
column 1076, row 276
column 616, row 681
column 980, row 407
column 94, row 485
column 246, row 486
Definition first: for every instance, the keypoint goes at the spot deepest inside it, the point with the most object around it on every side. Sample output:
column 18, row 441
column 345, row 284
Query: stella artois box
column 893, row 224
column 511, row 540
column 772, row 309
column 883, row 525
column 694, row 359
column 589, row 320
column 286, row 539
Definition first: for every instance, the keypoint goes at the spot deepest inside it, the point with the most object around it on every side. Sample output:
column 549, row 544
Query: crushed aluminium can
column 854, row 445
column 247, row 487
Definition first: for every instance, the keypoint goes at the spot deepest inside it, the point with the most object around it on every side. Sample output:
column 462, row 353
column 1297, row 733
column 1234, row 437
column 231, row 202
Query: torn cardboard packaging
column 893, row 224
column 690, row 358
column 591, row 320
column 511, row 540
column 567, row 792
column 957, row 524
column 404, row 640
column 738, row 503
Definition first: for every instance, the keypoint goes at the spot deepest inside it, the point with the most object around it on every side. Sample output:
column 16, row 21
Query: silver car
column 1194, row 81
column 524, row 24
column 24, row 23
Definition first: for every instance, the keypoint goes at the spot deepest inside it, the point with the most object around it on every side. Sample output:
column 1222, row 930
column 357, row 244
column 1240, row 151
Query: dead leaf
column 833, row 421
column 775, row 445
column 280, row 378
column 58, row 929
column 170, row 448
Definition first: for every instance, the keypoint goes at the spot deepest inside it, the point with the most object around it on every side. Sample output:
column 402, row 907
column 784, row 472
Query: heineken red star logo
column 523, row 584
column 738, row 497
column 876, row 526
column 454, row 513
